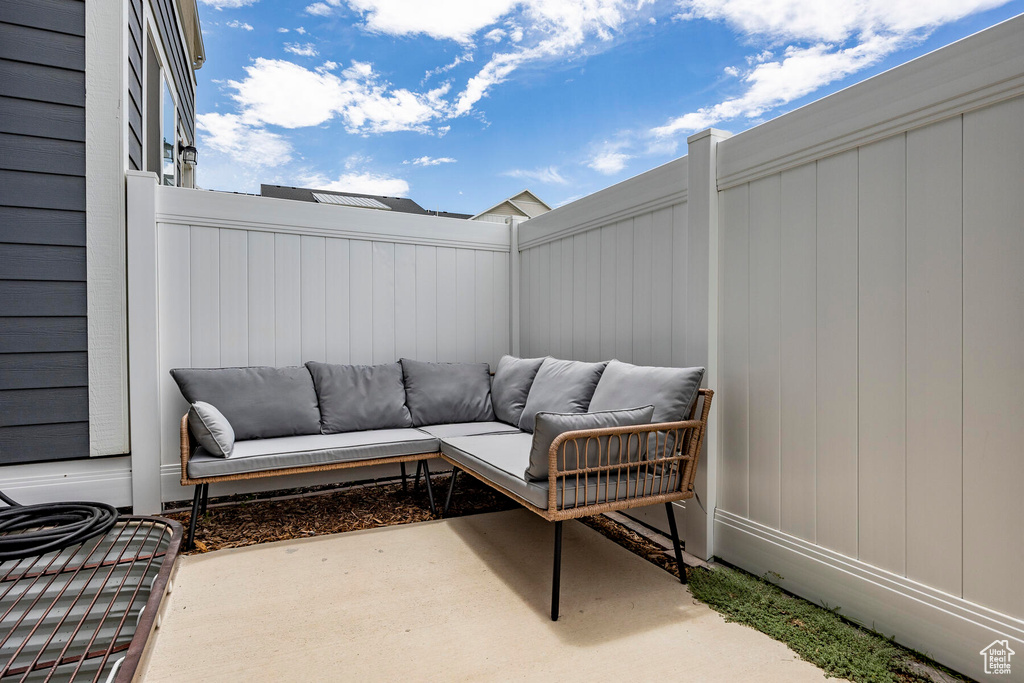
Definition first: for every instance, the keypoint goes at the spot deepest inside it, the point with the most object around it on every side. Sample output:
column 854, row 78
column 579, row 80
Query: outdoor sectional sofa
column 565, row 439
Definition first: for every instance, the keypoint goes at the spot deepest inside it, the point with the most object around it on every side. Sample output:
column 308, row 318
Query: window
column 161, row 133
column 168, row 145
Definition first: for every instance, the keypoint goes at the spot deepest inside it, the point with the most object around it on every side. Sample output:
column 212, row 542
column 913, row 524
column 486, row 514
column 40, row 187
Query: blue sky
column 459, row 104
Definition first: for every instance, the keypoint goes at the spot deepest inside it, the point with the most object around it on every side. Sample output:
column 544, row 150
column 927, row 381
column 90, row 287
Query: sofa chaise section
column 501, row 459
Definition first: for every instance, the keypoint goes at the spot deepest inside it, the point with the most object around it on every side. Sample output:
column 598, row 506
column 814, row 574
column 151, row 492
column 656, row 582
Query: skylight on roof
column 344, row 200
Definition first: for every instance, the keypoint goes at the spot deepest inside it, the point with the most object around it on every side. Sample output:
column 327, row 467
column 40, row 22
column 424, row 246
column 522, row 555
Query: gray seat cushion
column 211, row 429
column 445, row 393
column 258, row 402
column 562, row 386
column 502, row 458
column 359, row 397
column 673, row 391
column 318, row 449
column 469, row 429
column 511, row 386
column 549, row 425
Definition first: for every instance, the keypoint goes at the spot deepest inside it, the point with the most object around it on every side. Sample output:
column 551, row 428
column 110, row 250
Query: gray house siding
column 180, row 66
column 135, row 85
column 43, row 362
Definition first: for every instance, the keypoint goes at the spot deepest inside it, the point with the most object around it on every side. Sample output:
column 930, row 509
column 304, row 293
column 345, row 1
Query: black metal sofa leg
column 556, row 576
column 405, row 478
column 197, row 499
column 451, row 488
column 675, row 542
column 206, row 499
column 416, row 479
column 430, row 488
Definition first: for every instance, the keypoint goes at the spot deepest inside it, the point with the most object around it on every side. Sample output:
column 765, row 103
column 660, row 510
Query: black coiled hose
column 32, row 530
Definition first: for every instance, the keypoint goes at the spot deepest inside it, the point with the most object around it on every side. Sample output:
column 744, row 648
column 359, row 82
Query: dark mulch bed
column 249, row 520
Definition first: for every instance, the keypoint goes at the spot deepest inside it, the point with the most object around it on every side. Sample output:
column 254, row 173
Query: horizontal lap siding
column 43, row 360
column 231, row 297
column 134, row 101
column 180, row 64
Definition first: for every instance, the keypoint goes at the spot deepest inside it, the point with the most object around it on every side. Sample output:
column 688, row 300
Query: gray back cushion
column 673, row 391
column 561, row 386
column 442, row 393
column 211, row 429
column 354, row 398
column 260, row 402
column 606, row 450
column 511, row 386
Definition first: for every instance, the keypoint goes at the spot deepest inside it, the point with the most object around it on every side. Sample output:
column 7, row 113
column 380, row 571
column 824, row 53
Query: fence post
column 514, row 275
column 143, row 343
column 701, row 341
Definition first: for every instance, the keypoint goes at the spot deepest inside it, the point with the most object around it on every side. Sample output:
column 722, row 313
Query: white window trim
column 106, row 85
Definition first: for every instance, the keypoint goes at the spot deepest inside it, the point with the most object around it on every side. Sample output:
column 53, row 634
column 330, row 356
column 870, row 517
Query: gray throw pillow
column 443, row 393
column 358, row 397
column 258, row 402
column 603, row 451
column 561, row 386
column 211, row 429
column 511, row 386
column 673, row 391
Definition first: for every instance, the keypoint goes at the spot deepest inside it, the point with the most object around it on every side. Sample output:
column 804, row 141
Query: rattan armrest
column 675, row 453
column 188, row 446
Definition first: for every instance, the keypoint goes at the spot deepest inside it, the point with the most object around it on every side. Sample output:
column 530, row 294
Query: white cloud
column 319, row 9
column 461, row 59
column 280, row 93
column 301, row 31
column 731, row 71
column 301, row 49
column 832, row 22
column 227, row 4
column 429, row 161
column 282, row 30
column 455, row 20
column 252, row 145
column 609, row 162
column 548, row 175
column 826, row 43
column 239, row 24
column 359, row 182
column 495, row 35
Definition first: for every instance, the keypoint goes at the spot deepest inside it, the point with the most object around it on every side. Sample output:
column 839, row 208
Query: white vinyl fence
column 621, row 274
column 242, row 280
column 871, row 364
column 850, row 274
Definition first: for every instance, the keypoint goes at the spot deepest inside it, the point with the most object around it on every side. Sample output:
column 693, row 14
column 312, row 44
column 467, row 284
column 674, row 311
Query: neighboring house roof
column 402, row 204
column 517, row 205
column 305, row 194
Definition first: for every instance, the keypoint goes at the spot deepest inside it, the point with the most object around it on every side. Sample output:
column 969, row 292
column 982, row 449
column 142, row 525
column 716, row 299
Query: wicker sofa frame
column 202, row 491
column 667, row 471
column 673, row 464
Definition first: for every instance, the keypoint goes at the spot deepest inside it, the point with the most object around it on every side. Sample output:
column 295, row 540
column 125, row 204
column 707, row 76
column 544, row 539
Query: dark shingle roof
column 401, row 204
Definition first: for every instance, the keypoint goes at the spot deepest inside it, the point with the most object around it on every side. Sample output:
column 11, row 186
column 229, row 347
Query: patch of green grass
column 820, row 636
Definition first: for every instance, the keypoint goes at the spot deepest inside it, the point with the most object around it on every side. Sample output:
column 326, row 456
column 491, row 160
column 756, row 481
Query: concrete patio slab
column 464, row 599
